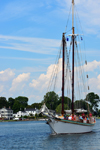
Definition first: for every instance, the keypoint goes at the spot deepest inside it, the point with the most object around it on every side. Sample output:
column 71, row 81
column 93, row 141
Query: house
column 6, row 113
column 26, row 112
column 31, row 111
column 20, row 114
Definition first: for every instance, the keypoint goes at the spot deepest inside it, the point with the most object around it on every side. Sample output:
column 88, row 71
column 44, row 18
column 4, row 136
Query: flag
column 81, row 38
column 67, row 39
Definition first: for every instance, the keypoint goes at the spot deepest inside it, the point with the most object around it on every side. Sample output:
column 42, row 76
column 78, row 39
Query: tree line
column 91, row 102
column 52, row 101
column 19, row 103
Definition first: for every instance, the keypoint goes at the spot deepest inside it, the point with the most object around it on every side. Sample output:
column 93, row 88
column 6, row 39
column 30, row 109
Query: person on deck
column 85, row 120
column 70, row 117
column 90, row 115
column 83, row 115
column 73, row 117
column 80, row 118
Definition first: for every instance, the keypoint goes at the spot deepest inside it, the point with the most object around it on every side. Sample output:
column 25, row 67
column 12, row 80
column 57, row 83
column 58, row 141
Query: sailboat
column 60, row 125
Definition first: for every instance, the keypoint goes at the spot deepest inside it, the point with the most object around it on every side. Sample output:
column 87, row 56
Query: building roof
column 6, row 108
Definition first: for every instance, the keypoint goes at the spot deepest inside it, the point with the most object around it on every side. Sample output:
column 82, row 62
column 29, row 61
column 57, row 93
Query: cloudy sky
column 30, row 36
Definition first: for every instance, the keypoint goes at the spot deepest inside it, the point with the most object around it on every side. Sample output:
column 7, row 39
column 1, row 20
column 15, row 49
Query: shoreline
column 40, row 119
column 24, row 120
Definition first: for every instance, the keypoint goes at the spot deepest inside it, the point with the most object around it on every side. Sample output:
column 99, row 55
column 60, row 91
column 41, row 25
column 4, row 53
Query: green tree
column 16, row 106
column 11, row 102
column 93, row 99
column 3, row 102
column 35, row 105
column 80, row 104
column 67, row 101
column 59, row 108
column 51, row 100
column 23, row 101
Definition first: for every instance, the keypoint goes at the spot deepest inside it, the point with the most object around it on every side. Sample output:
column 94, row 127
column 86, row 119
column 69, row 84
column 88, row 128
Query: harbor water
column 36, row 135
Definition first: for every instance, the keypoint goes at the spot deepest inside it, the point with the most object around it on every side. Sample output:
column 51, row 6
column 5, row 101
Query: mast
column 63, row 59
column 73, row 56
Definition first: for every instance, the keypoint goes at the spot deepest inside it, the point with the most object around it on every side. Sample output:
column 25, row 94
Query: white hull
column 61, row 126
column 65, row 127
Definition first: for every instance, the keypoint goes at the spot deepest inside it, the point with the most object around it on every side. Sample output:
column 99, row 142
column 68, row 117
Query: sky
column 30, row 37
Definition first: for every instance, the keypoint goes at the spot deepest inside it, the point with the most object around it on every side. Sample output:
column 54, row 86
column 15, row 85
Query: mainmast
column 73, row 36
column 63, row 60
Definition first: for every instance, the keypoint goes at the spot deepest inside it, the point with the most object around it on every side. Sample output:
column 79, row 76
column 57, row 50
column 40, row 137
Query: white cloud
column 91, row 66
column 37, row 45
column 19, row 82
column 40, row 85
column 6, row 74
column 42, row 82
column 94, row 84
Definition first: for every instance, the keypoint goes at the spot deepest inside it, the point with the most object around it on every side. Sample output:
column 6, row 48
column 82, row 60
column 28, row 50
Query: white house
column 6, row 113
column 20, row 114
column 26, row 112
column 32, row 111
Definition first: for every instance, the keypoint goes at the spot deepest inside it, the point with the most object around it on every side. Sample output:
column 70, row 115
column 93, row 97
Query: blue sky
column 30, row 36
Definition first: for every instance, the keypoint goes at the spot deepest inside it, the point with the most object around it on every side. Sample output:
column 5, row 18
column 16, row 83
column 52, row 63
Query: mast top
column 72, row 16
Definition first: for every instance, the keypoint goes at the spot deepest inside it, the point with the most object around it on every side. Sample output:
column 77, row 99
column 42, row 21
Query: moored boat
column 59, row 124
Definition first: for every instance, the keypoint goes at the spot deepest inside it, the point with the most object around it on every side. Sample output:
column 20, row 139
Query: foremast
column 63, row 63
column 73, row 37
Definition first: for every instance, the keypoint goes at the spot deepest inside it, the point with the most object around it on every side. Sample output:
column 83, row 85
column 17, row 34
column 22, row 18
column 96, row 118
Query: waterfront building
column 31, row 111
column 20, row 114
column 26, row 112
column 6, row 113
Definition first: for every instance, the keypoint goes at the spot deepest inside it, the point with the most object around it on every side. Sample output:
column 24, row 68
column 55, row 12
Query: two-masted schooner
column 59, row 125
